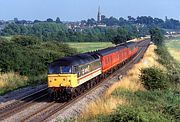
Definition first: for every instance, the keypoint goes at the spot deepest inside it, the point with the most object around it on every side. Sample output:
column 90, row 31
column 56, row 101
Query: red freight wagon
column 132, row 49
column 113, row 56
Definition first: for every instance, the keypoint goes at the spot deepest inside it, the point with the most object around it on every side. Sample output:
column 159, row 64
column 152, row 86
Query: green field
column 174, row 48
column 89, row 46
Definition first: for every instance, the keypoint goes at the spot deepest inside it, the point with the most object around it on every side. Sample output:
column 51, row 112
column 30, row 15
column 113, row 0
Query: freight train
column 70, row 76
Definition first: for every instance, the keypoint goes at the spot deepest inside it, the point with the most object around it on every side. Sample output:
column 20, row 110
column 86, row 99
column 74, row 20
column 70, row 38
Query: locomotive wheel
column 88, row 86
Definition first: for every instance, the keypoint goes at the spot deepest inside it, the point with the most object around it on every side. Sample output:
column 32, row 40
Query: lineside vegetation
column 150, row 91
column 29, row 57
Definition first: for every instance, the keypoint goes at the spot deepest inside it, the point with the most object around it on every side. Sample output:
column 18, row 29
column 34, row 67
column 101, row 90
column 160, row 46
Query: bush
column 136, row 114
column 30, row 58
column 154, row 78
column 131, row 114
column 157, row 36
column 26, row 40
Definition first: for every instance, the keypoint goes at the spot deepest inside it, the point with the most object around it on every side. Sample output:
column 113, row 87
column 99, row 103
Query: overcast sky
column 73, row 10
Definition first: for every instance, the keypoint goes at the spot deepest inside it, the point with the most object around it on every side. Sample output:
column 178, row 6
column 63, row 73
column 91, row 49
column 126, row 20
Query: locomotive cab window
column 54, row 70
column 66, row 69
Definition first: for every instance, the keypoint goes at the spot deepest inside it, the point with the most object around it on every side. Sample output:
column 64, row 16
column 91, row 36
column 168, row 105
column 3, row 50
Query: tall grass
column 103, row 105
column 10, row 81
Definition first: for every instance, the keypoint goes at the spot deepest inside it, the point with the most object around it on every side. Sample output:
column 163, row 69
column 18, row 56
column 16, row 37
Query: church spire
column 99, row 15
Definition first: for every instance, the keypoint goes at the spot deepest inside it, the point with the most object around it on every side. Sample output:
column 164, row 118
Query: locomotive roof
column 76, row 59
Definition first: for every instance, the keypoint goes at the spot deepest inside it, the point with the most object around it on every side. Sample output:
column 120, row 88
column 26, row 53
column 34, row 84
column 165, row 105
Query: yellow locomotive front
column 67, row 76
column 61, row 81
column 61, row 77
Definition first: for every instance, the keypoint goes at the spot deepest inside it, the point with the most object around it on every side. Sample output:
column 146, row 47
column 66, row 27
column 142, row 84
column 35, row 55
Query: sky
column 75, row 10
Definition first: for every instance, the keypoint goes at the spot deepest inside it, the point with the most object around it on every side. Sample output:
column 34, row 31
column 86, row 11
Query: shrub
column 35, row 80
column 131, row 114
column 154, row 78
column 30, row 59
column 26, row 40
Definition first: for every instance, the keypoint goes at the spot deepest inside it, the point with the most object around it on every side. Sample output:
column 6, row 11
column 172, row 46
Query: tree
column 110, row 34
column 145, row 20
column 131, row 19
column 83, row 22
column 11, row 29
column 122, row 21
column 49, row 20
column 158, row 22
column 172, row 24
column 61, row 36
column 58, row 20
column 37, row 21
column 16, row 20
column 91, row 22
column 121, row 37
column 112, row 21
column 156, row 36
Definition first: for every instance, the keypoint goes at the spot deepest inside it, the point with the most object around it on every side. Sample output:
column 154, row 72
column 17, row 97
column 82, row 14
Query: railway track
column 52, row 108
column 22, row 104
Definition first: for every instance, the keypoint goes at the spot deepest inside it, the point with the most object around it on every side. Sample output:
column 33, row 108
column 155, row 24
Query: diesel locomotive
column 69, row 76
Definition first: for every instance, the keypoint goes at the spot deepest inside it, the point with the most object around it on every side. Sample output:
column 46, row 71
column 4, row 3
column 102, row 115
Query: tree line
column 112, row 21
column 51, row 31
column 117, row 30
column 140, row 20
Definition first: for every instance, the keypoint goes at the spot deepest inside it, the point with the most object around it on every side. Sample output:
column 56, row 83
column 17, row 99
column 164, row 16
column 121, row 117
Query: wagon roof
column 114, row 49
